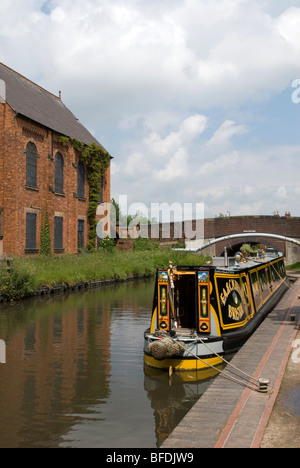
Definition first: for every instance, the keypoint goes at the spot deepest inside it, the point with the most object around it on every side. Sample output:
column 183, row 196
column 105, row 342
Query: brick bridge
column 215, row 228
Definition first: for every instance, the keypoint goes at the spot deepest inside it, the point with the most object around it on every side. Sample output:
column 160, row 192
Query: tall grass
column 32, row 273
column 295, row 266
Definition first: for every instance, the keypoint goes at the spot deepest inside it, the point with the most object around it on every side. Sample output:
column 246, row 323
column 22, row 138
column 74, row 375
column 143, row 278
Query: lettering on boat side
column 296, row 353
column 231, row 297
column 2, row 352
column 152, row 457
column 231, row 285
column 296, row 93
column 235, row 313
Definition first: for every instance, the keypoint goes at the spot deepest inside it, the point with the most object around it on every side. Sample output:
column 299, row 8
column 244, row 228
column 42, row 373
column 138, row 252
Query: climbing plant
column 45, row 248
column 96, row 160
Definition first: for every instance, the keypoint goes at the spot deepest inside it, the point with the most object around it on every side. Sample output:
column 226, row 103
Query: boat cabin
column 185, row 296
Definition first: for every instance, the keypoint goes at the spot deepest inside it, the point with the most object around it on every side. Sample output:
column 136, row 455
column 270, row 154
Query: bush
column 16, row 284
column 145, row 244
column 107, row 244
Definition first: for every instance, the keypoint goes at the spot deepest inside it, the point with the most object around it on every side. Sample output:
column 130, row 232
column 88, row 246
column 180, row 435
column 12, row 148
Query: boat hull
column 182, row 364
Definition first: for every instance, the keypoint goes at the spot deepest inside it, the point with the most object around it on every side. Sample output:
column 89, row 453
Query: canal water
column 74, row 374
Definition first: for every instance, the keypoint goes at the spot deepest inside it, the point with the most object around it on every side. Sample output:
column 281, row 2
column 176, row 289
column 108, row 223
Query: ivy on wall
column 96, row 160
column 45, row 248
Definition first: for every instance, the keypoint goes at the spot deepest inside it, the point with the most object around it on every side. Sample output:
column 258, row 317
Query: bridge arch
column 235, row 244
column 256, row 237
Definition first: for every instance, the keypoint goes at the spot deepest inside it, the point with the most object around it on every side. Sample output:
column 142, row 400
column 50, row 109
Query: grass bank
column 32, row 273
column 295, row 266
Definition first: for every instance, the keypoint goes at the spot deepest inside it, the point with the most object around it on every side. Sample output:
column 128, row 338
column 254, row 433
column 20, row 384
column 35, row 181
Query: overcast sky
column 198, row 101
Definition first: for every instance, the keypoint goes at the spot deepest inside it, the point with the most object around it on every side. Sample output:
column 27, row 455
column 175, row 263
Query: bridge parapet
column 290, row 247
column 286, row 226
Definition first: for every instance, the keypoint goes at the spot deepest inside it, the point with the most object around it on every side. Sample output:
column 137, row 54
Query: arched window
column 59, row 173
column 31, row 165
column 58, row 233
column 80, row 179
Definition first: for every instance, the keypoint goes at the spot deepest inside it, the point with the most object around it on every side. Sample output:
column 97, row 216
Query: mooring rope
column 221, row 372
column 227, row 362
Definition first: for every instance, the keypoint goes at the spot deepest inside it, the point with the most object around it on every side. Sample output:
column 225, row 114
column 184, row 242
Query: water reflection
column 172, row 398
column 74, row 374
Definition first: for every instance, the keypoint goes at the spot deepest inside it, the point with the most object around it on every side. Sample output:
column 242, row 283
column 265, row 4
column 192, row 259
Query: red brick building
column 38, row 174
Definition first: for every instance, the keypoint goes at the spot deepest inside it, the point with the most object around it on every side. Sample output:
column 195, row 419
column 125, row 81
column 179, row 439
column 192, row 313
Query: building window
column 30, row 232
column 1, row 236
column 31, row 165
column 59, row 173
column 80, row 179
column 58, row 234
column 80, row 234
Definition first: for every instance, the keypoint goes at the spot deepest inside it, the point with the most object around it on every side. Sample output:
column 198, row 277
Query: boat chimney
column 225, row 257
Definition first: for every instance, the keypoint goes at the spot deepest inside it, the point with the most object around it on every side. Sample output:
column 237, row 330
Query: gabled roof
column 32, row 101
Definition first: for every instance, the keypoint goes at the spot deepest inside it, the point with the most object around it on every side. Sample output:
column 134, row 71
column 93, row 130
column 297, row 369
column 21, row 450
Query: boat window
column 246, row 296
column 255, row 289
column 274, row 273
column 264, row 283
column 281, row 269
column 277, row 272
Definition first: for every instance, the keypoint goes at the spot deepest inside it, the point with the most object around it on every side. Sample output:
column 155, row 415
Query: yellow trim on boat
column 182, row 364
column 216, row 320
column 187, row 376
column 153, row 320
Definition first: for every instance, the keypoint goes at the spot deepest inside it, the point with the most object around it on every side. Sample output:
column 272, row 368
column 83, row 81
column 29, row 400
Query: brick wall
column 16, row 199
column 218, row 227
column 282, row 225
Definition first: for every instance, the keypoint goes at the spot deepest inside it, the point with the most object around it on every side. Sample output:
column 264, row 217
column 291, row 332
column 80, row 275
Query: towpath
column 230, row 415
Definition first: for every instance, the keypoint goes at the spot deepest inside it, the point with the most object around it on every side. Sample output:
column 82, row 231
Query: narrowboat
column 201, row 314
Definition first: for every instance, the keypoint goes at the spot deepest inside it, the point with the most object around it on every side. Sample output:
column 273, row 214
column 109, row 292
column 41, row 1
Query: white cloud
column 226, row 161
column 167, row 87
column 281, row 193
column 136, row 58
column 175, row 168
column 167, row 157
column 136, row 166
column 223, row 135
column 193, row 126
column 288, row 27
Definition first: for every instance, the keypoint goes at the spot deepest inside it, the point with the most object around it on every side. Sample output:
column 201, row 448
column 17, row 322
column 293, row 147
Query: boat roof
column 218, row 264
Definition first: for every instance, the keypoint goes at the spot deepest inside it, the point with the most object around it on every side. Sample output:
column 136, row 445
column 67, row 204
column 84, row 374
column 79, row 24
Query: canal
column 74, row 374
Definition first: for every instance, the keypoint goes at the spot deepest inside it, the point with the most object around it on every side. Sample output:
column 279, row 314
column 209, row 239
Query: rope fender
column 166, row 348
